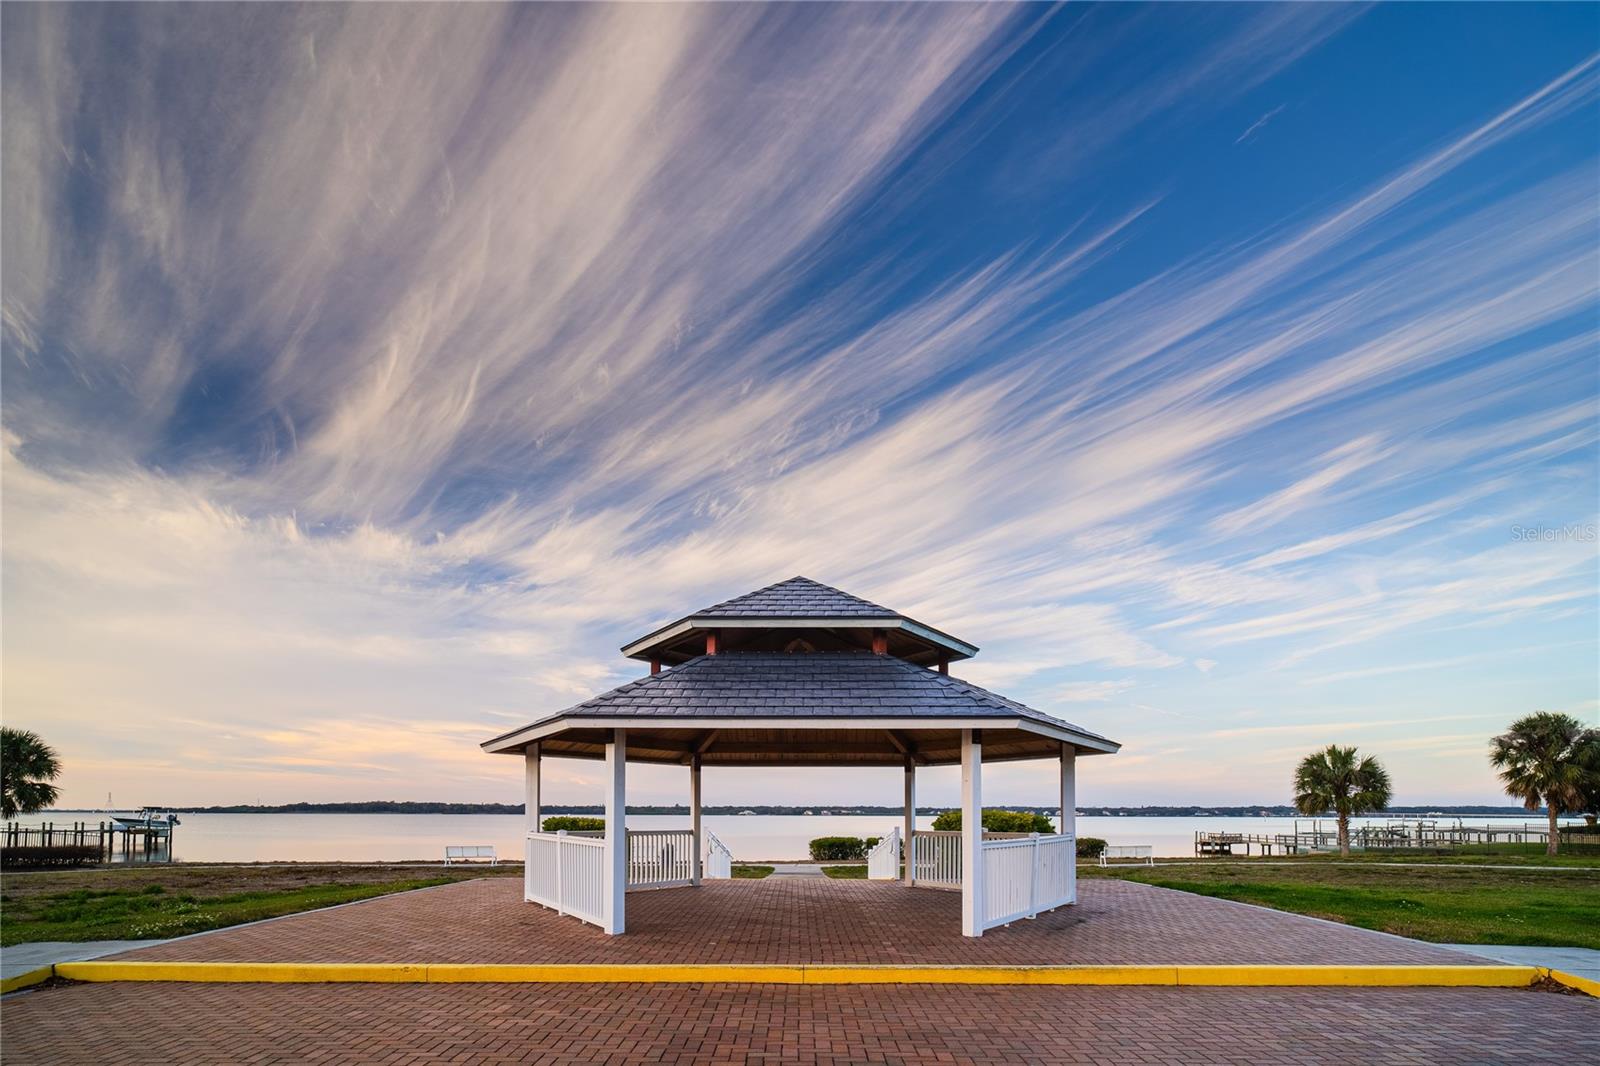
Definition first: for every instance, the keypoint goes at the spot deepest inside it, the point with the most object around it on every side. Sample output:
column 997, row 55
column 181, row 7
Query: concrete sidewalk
column 23, row 958
column 1580, row 962
column 797, row 869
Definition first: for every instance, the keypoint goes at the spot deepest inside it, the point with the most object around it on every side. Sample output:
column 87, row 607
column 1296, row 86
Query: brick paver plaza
column 794, row 921
column 416, row 1024
column 799, row 920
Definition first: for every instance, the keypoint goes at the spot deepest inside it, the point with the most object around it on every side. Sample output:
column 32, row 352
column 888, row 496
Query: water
column 401, row 837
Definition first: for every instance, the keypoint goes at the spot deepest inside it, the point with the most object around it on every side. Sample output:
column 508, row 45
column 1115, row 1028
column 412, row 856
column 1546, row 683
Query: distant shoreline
column 1196, row 811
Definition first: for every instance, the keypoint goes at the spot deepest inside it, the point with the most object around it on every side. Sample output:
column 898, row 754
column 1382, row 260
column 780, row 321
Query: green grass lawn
column 750, row 871
column 162, row 901
column 153, row 912
column 857, row 872
column 1428, row 902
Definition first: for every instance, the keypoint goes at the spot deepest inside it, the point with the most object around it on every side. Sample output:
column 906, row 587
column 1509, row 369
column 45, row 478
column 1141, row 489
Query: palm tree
column 27, row 766
column 1335, row 779
column 1547, row 759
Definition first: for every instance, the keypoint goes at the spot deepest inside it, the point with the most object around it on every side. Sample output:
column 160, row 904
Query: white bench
column 1128, row 851
column 465, row 852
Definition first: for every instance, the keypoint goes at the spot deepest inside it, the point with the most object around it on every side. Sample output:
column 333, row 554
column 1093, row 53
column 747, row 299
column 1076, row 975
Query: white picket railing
column 883, row 861
column 1026, row 876
column 567, row 873
column 660, row 858
column 719, row 860
column 936, row 858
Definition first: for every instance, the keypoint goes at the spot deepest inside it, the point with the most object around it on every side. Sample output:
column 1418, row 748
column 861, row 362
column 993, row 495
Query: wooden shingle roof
column 799, row 608
column 798, row 597
column 780, row 697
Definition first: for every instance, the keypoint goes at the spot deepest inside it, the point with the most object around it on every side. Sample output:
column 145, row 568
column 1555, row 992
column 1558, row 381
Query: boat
column 148, row 818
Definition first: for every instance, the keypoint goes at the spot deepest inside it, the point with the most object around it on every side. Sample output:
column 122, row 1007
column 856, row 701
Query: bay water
column 751, row 838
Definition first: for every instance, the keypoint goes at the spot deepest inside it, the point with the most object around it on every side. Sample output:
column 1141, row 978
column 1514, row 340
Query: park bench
column 1128, row 851
column 468, row 852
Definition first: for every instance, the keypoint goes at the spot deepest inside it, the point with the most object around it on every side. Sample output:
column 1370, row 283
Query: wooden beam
column 655, row 665
column 880, row 642
column 712, row 642
column 700, row 746
column 802, row 747
column 904, row 745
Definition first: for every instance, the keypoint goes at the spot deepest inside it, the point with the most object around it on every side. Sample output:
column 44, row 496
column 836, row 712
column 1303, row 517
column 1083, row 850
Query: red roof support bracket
column 880, row 642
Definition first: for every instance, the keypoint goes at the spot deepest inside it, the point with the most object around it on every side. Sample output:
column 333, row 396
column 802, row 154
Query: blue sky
column 372, row 373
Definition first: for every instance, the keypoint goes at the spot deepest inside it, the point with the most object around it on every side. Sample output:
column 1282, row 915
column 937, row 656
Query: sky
column 371, row 373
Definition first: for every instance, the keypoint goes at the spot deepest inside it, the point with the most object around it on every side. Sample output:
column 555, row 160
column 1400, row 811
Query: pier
column 1398, row 835
column 151, row 842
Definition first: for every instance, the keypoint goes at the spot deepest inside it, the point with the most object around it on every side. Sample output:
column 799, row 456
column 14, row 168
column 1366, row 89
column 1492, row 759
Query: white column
column 971, row 833
column 694, row 819
column 616, row 848
column 908, row 832
column 530, row 788
column 1069, row 803
column 1069, row 789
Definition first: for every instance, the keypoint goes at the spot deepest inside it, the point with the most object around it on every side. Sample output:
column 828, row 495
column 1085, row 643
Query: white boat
column 147, row 818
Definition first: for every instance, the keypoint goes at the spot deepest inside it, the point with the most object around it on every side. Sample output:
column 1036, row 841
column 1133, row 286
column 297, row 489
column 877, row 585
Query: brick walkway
column 216, row 1024
column 799, row 920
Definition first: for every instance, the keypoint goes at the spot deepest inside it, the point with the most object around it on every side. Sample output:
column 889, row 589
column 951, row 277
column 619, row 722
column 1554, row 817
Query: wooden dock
column 1399, row 835
column 109, row 839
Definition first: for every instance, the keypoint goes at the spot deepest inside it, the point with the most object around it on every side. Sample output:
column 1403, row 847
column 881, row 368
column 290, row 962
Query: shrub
column 838, row 849
column 997, row 821
column 1090, row 847
column 574, row 823
column 59, row 855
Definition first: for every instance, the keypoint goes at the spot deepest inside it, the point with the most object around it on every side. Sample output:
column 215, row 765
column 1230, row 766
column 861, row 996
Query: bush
column 1090, row 847
column 838, row 849
column 574, row 823
column 997, row 821
column 58, row 855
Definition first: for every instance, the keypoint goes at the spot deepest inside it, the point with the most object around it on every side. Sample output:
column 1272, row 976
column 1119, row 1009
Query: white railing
column 883, row 861
column 567, row 873
column 1025, row 876
column 719, row 860
column 936, row 858
column 660, row 858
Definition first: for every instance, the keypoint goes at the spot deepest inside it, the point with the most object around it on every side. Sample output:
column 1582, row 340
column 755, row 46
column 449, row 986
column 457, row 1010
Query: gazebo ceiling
column 799, row 614
column 816, row 709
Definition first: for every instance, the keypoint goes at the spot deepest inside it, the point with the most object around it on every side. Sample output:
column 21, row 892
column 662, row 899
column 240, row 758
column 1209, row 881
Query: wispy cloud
column 413, row 361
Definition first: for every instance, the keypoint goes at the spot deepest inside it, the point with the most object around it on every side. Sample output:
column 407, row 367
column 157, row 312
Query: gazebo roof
column 798, row 597
column 800, row 608
column 821, row 708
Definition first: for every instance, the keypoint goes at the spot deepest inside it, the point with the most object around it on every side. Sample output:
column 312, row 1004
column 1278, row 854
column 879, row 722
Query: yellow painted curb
column 1363, row 976
column 619, row 973
column 246, row 972
column 990, row 975
column 613, row 973
column 1572, row 980
column 24, row 980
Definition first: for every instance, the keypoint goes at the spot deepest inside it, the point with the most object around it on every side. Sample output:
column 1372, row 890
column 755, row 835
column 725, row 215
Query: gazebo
column 801, row 674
